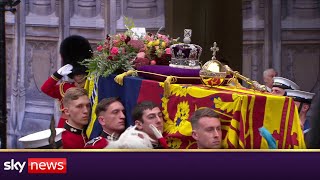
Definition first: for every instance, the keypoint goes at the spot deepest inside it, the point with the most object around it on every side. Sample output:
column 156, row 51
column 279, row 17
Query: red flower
column 141, row 62
column 110, row 58
column 114, row 51
column 100, row 48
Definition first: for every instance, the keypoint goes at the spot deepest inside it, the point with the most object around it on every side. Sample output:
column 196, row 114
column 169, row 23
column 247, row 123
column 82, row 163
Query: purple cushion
column 193, row 74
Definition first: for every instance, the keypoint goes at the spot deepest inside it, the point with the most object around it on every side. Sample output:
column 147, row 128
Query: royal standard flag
column 242, row 112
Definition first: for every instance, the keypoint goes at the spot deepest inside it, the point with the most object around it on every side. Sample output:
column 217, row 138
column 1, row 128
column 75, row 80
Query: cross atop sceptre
column 214, row 50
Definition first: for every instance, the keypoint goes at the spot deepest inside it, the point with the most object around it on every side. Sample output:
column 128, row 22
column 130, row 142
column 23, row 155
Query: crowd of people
column 285, row 87
column 147, row 131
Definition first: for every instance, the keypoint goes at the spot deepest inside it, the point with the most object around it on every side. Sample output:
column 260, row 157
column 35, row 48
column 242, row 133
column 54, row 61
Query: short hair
column 138, row 110
column 200, row 113
column 268, row 71
column 73, row 94
column 105, row 103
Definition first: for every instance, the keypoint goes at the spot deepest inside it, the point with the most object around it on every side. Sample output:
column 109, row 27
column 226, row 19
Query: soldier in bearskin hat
column 73, row 50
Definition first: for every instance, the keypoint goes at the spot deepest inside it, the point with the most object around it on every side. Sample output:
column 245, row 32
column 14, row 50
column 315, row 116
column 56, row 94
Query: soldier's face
column 151, row 116
column 80, row 79
column 208, row 134
column 78, row 111
column 113, row 119
column 278, row 91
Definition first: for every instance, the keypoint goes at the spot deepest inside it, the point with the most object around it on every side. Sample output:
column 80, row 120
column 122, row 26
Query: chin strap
column 158, row 134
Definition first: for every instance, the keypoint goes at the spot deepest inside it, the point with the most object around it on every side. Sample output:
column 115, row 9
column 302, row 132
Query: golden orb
column 213, row 73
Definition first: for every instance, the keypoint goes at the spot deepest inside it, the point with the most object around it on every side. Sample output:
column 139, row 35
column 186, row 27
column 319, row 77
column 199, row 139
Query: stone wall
column 283, row 35
column 33, row 35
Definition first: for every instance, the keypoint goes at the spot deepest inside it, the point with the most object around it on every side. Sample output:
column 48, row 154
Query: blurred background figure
column 303, row 100
column 313, row 140
column 268, row 76
column 281, row 84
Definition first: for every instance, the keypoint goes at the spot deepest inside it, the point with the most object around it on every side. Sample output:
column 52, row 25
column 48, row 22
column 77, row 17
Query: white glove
column 65, row 70
column 156, row 132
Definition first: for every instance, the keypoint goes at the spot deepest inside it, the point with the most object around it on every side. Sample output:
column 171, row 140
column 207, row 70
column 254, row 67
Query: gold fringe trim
column 169, row 79
column 167, row 82
column 119, row 78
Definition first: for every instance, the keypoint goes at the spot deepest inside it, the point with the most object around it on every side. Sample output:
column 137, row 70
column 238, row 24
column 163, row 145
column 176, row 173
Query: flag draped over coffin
column 242, row 112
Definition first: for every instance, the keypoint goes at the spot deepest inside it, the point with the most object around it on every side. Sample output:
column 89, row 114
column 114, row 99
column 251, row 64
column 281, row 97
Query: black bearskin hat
column 73, row 50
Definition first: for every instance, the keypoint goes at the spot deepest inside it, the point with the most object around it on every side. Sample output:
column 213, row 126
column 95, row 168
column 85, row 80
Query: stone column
column 276, row 35
column 255, row 8
column 267, row 60
column 118, row 9
column 113, row 17
column 142, row 9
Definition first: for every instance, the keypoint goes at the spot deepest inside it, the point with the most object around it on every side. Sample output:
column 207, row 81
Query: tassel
column 167, row 82
column 119, row 78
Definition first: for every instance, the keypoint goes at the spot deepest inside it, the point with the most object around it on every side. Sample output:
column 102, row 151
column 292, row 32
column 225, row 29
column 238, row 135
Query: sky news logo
column 38, row 165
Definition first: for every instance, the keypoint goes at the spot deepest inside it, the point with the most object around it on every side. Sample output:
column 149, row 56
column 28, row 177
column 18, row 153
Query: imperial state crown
column 185, row 55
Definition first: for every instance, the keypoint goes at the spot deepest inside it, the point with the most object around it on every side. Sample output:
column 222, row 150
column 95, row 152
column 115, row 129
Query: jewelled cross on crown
column 187, row 36
column 214, row 50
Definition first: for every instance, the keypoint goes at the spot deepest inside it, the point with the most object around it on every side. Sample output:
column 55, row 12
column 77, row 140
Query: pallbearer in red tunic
column 77, row 110
column 73, row 50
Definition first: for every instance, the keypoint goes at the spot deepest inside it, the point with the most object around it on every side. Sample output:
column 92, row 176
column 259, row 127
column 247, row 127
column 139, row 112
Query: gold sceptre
column 254, row 84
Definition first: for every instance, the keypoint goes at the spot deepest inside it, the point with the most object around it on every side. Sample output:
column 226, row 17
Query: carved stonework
column 252, row 60
column 306, row 9
column 42, row 7
column 253, row 9
column 42, row 12
column 253, row 13
column 301, row 14
column 85, row 8
column 141, row 9
column 301, row 64
column 57, row 7
column 145, row 13
column 41, row 57
column 9, row 59
column 118, row 9
column 27, row 7
column 88, row 13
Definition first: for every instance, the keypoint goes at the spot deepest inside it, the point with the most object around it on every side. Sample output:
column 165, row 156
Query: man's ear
column 138, row 124
column 66, row 111
column 101, row 120
column 194, row 134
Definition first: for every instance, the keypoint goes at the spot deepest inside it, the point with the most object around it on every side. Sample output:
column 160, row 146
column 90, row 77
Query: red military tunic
column 57, row 91
column 100, row 142
column 73, row 138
